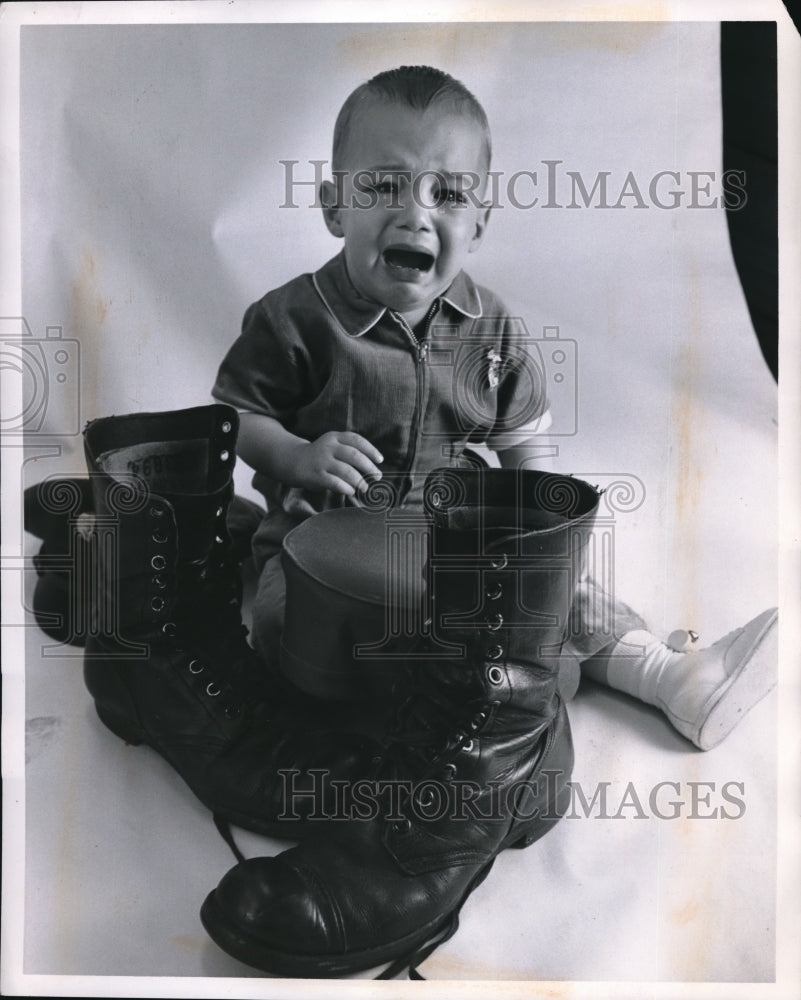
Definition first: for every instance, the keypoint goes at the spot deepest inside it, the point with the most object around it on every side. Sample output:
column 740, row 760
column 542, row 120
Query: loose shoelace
column 416, row 744
column 411, row 959
column 450, row 926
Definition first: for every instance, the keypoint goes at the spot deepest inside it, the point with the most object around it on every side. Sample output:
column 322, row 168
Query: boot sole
column 297, row 965
column 134, row 736
column 753, row 681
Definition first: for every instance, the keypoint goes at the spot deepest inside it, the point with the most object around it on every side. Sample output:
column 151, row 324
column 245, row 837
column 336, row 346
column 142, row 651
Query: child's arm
column 341, row 461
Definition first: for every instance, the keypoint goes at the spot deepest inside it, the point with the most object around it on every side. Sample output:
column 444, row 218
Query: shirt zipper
column 421, row 356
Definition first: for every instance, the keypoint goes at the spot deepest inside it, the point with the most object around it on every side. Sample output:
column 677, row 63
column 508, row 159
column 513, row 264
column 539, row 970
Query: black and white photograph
column 400, row 500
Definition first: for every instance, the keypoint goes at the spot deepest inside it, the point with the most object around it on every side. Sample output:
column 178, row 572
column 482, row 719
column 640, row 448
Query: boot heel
column 119, row 726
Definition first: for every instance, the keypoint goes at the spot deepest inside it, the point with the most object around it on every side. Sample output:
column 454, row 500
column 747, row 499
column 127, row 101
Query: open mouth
column 410, row 260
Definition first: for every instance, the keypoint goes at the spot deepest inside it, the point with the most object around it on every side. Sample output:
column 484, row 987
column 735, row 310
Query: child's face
column 406, row 248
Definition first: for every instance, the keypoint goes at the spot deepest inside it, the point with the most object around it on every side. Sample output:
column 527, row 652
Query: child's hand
column 341, row 461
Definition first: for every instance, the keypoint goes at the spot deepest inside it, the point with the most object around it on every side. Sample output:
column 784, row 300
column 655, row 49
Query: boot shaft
column 182, row 459
column 507, row 551
column 167, row 659
column 508, row 548
column 161, row 485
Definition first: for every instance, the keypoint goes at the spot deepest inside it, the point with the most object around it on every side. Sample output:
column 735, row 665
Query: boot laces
column 207, row 624
column 436, row 722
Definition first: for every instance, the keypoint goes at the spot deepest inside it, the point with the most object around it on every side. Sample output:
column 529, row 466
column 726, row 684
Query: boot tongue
column 446, row 699
column 197, row 521
column 180, row 473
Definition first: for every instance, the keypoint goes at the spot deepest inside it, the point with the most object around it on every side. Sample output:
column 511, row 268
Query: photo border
column 788, row 965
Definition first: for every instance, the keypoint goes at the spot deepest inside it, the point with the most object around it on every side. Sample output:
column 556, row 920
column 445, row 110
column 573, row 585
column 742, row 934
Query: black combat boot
column 482, row 754
column 60, row 513
column 167, row 659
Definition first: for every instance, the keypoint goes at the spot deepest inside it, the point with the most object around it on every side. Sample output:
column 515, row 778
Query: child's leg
column 704, row 693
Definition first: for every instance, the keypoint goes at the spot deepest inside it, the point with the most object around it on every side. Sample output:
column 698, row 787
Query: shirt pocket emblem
column 494, row 368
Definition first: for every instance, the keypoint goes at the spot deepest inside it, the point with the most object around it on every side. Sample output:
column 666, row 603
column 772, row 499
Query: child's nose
column 414, row 214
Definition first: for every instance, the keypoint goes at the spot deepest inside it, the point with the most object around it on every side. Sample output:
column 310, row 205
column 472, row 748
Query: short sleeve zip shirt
column 318, row 357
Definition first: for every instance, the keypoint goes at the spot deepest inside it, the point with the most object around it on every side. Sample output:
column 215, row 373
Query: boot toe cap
column 268, row 904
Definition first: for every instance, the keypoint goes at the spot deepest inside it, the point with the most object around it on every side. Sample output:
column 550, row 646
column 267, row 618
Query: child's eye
column 451, row 196
column 385, row 187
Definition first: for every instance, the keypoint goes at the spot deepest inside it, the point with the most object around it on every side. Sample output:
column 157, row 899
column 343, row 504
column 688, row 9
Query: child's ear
column 331, row 211
column 482, row 220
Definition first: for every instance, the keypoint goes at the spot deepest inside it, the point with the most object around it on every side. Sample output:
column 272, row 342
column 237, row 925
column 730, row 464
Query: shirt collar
column 357, row 315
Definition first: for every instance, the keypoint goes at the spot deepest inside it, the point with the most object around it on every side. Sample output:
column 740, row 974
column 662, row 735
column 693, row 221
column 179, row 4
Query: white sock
column 637, row 663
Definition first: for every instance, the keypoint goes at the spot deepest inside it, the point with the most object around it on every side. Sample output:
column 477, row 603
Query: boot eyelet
column 495, row 675
column 195, row 667
column 159, row 581
column 212, row 691
column 425, row 799
column 401, row 825
column 158, row 562
column 478, row 721
column 494, row 622
column 159, row 538
column 158, row 604
column 450, row 772
column 225, row 427
column 168, row 628
column 219, row 512
column 156, row 512
column 499, row 562
column 224, row 455
column 467, row 746
column 494, row 652
column 494, row 591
